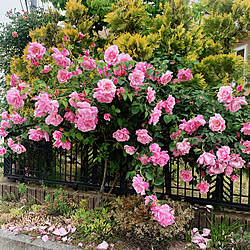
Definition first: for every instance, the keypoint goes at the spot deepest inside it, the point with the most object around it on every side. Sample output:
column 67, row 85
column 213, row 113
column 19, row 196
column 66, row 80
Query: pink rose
column 217, row 168
column 225, row 94
column 234, row 177
column 155, row 148
column 143, row 137
column 36, row 135
column 105, row 92
column 13, row 98
column 246, row 129
column 144, row 159
column 169, row 104
column 235, row 104
column 166, row 78
column 14, row 80
column 107, row 117
column 75, row 98
column 46, row 69
column 18, row 148
column 5, row 124
column 247, row 149
column 160, row 158
column 163, row 214
column 217, row 123
column 89, row 63
column 206, row 159
column 53, row 119
column 239, row 88
column 186, row 175
column 80, row 35
column 150, row 95
column 60, row 57
column 155, row 116
column 63, row 75
column 3, row 132
column 223, row 154
column 192, row 125
column 111, row 55
column 129, row 149
column 150, row 198
column 121, row 135
column 57, row 135
column 228, row 171
column 184, row 75
column 139, row 185
column 2, row 151
column 16, row 118
column 183, row 147
column 70, row 116
column 236, row 161
column 36, row 50
column 203, row 187
column 136, row 78
column 14, row 34
column 66, row 145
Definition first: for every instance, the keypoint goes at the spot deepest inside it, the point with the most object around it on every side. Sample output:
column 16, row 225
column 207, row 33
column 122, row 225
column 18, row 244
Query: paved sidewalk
column 9, row 241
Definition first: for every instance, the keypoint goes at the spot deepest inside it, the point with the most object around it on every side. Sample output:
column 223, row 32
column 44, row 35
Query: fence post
column 168, row 177
column 219, row 188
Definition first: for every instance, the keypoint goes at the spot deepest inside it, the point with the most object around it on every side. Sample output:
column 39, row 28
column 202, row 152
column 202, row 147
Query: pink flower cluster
column 121, row 135
column 160, row 158
column 136, row 79
column 111, row 55
column 13, row 98
column 150, row 95
column 105, row 91
column 247, row 149
column 2, row 151
column 36, row 51
column 231, row 103
column 16, row 147
column 143, row 137
column 184, row 75
column 89, row 63
column 38, row 134
column 203, row 187
column 61, row 57
column 182, row 148
column 57, row 135
column 75, row 98
column 86, row 117
column 192, row 125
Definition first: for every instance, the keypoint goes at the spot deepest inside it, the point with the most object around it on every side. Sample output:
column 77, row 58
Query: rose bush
column 132, row 107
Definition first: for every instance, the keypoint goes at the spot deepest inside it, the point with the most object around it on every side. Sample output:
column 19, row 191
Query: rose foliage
column 133, row 108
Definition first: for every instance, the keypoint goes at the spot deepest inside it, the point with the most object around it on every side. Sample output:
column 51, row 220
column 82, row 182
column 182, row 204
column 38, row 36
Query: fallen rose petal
column 103, row 245
column 45, row 238
column 73, row 229
column 62, row 231
column 64, row 239
column 51, row 228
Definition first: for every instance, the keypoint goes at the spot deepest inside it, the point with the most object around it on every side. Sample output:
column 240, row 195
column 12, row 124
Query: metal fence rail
column 79, row 167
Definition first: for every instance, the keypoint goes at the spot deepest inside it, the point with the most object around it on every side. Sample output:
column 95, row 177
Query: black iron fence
column 79, row 167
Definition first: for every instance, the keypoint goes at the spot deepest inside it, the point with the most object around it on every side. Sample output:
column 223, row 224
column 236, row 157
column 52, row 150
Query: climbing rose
column 14, row 34
column 235, row 104
column 150, row 198
column 217, row 168
column 70, row 116
column 246, row 129
column 236, row 161
column 223, row 154
column 192, row 125
column 46, row 69
column 169, row 104
column 75, row 98
column 13, row 98
column 166, row 78
column 203, row 187
column 143, row 136
column 155, row 116
column 36, row 135
column 89, row 63
column 206, row 159
column 121, row 135
column 2, row 151
column 247, row 149
column 184, row 75
column 60, row 57
column 111, row 55
column 107, row 117
column 217, row 123
column 18, row 148
column 53, row 119
column 105, row 91
column 144, row 159
column 136, row 78
column 163, row 214
column 150, row 95
column 234, row 177
column 3, row 133
column 129, row 149
column 228, row 171
column 14, row 80
column 139, row 185
column 63, row 75
column 186, row 175
column 225, row 94
column 183, row 147
column 36, row 50
column 80, row 35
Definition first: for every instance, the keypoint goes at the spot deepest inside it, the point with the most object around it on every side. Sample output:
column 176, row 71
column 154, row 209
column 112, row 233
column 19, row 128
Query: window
column 242, row 51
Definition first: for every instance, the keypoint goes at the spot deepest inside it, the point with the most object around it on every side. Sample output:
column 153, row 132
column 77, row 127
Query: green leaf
column 172, row 145
column 167, row 118
column 159, row 180
column 149, row 176
column 135, row 109
column 79, row 136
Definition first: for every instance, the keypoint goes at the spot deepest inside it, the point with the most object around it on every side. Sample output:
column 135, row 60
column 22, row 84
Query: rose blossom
column 234, row 177
column 166, row 78
column 60, row 57
column 184, row 75
column 70, row 116
column 13, row 98
column 14, row 80
column 14, row 34
column 160, row 157
column 80, row 35
column 63, row 75
column 150, row 198
column 53, row 119
column 36, row 50
column 129, row 149
column 18, row 148
column 246, row 129
column 36, row 135
column 223, row 154
column 186, row 175
column 228, row 171
column 217, row 123
column 5, row 124
column 234, row 105
column 3, row 132
column 203, row 187
column 163, row 214
column 217, row 168
column 136, row 78
column 183, row 147
column 121, row 135
column 75, row 98
column 247, row 149
column 111, row 55
column 107, row 117
column 105, row 92
column 155, row 116
column 2, row 151
column 206, row 159
column 143, row 136
column 144, row 159
column 89, row 63
column 225, row 94
column 169, row 104
column 139, row 185
column 46, row 69
column 150, row 95
column 192, row 125
column 236, row 161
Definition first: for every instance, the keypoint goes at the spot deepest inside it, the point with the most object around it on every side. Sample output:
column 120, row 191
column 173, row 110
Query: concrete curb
column 9, row 241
